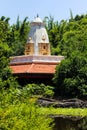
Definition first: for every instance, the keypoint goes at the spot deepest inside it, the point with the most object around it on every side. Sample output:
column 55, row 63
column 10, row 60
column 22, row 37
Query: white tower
column 38, row 41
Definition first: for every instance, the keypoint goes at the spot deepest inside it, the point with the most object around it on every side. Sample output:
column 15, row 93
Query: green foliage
column 65, row 37
column 81, row 112
column 18, row 111
column 39, row 89
column 24, row 117
column 71, row 76
column 17, row 36
column 4, row 28
column 6, row 78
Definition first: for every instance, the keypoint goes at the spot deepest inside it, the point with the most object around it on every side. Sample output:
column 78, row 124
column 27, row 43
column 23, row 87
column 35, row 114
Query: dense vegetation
column 19, row 111
column 67, row 38
column 71, row 75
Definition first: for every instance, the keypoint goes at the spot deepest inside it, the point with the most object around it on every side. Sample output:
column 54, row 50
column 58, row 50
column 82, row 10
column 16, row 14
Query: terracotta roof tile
column 20, row 68
column 34, row 68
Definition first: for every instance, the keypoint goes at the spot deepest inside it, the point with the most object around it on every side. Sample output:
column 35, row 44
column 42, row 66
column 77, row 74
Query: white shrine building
column 37, row 63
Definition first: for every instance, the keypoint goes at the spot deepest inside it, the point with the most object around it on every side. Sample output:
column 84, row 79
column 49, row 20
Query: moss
column 64, row 111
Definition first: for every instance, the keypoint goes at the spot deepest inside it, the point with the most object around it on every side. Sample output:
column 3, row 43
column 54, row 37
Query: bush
column 71, row 76
column 19, row 112
column 41, row 90
column 23, row 117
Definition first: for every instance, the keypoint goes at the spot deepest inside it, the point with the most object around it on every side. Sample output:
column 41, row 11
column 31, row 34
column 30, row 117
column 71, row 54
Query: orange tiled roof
column 33, row 68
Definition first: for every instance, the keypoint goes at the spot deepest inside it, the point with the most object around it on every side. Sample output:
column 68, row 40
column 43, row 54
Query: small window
column 44, row 47
column 28, row 48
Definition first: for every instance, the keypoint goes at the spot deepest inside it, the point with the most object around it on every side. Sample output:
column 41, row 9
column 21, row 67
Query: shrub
column 19, row 112
column 41, row 89
column 71, row 76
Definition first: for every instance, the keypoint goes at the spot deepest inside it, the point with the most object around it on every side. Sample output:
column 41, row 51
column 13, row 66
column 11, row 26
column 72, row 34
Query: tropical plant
column 39, row 89
column 71, row 76
column 21, row 112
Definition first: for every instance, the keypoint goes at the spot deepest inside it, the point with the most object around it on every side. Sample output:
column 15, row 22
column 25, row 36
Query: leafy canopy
column 71, row 76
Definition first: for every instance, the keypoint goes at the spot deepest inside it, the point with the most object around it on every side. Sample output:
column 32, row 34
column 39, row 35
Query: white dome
column 37, row 20
column 38, row 33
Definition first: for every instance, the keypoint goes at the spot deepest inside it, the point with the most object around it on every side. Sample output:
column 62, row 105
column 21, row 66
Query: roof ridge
column 30, row 67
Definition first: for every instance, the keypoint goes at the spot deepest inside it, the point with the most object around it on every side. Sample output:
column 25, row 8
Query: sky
column 59, row 9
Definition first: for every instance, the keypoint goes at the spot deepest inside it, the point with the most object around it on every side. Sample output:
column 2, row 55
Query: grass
column 64, row 111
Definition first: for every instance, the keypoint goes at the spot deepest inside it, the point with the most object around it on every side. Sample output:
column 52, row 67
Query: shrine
column 37, row 64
